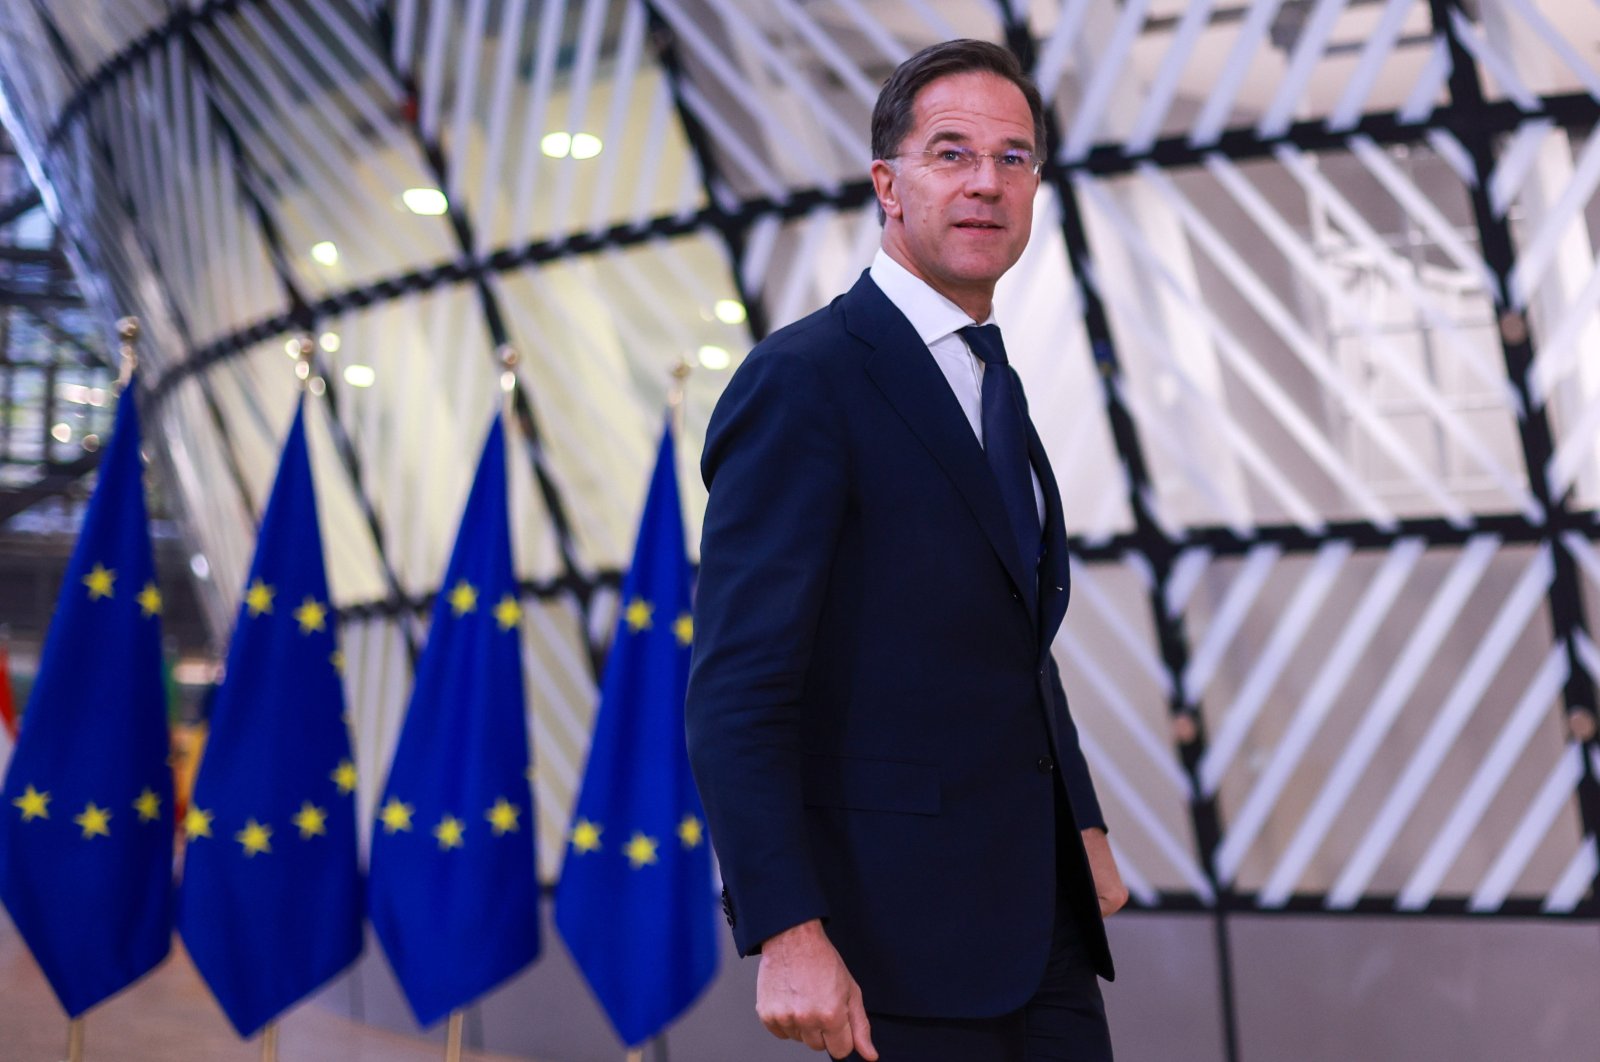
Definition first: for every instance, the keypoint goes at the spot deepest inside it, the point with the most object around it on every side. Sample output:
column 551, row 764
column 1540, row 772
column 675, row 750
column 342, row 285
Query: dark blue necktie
column 1005, row 439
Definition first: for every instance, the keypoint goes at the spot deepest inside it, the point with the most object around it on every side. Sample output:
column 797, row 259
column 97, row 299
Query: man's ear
column 883, row 182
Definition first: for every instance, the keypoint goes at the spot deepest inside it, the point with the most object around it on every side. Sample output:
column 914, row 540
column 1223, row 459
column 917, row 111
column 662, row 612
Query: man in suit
column 907, row 830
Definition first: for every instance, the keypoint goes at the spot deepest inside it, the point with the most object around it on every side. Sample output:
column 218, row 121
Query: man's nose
column 985, row 178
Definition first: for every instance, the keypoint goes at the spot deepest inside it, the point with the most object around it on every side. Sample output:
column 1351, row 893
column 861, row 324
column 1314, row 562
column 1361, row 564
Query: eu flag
column 86, row 811
column 636, row 903
column 453, row 887
column 270, row 904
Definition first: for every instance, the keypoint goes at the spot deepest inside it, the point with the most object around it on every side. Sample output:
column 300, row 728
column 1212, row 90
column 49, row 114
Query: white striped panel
column 1588, row 654
column 1219, row 105
column 1055, row 51
column 1249, row 370
column 1518, row 157
column 829, row 51
column 463, row 116
column 1531, row 711
column 1139, row 886
column 1308, row 51
column 1560, row 352
column 1501, row 68
column 580, row 86
column 1403, row 276
column 1313, row 356
column 1287, row 632
column 431, row 83
column 1158, row 101
column 503, row 94
column 1187, row 571
column 1575, row 881
column 1380, row 45
column 1129, row 797
column 1229, row 617
column 889, row 48
column 1454, row 155
column 1109, row 72
column 547, row 47
column 1379, row 716
column 1556, row 794
column 1127, row 717
column 1419, row 105
column 1524, row 600
column 624, row 71
column 1319, row 700
column 1107, row 615
column 1557, row 43
column 1539, row 251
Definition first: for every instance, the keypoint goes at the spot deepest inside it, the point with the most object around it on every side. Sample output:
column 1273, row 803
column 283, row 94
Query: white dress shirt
column 937, row 321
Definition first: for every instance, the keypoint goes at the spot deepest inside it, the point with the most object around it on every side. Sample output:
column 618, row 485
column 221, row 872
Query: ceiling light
column 715, row 357
column 360, row 375
column 329, row 342
column 556, row 145
column 429, row 202
column 585, row 146
column 325, row 253
column 61, row 433
column 730, row 311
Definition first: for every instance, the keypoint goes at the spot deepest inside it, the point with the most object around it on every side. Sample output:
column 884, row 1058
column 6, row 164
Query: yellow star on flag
column 640, row 850
column 336, row 658
column 344, row 776
column 312, row 616
column 311, row 820
column 255, row 837
column 683, row 627
column 148, row 806
column 99, row 581
column 463, row 598
column 149, row 600
column 395, row 816
column 95, row 820
column 34, row 804
column 503, row 817
column 638, row 614
column 507, row 612
column 690, row 831
column 259, row 597
column 586, row 836
column 449, row 832
column 197, row 823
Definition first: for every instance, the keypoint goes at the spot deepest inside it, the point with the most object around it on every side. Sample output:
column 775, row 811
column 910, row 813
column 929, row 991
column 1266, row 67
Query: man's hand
column 803, row 992
column 1108, row 886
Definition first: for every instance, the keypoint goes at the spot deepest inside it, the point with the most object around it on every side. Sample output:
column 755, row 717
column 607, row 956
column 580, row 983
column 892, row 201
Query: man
column 892, row 780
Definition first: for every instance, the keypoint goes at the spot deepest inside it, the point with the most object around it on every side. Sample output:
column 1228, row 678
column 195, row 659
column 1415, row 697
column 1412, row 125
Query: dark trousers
column 1065, row 1021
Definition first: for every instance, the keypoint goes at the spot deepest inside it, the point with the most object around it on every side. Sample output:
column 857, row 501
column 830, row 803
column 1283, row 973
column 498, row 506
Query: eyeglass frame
column 975, row 159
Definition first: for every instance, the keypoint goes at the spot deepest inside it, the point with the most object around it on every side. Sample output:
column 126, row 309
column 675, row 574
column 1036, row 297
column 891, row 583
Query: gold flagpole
column 302, row 361
column 634, row 1055
column 452, row 1038
column 269, row 1043
column 75, row 1040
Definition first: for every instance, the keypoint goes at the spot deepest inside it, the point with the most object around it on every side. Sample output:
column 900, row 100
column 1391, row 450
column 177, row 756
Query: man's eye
column 953, row 155
column 1015, row 160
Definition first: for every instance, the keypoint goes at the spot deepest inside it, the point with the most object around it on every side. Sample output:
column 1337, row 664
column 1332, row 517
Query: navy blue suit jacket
column 874, row 718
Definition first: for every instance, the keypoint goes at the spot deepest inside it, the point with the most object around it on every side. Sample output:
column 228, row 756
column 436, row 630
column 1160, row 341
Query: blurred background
column 1308, row 324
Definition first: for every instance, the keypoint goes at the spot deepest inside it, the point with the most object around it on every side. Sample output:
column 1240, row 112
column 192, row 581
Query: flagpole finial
column 304, row 348
column 680, row 382
column 509, row 358
column 128, row 332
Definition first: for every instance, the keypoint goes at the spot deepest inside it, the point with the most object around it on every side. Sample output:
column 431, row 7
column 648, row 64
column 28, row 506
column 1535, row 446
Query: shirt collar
column 930, row 313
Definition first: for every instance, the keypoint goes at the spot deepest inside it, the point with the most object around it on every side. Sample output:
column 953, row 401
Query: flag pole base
column 269, row 1043
column 75, row 1040
column 452, row 1038
column 634, row 1055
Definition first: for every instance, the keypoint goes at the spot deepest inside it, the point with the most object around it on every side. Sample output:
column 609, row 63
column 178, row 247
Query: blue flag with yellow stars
column 270, row 904
column 86, row 813
column 636, row 904
column 453, row 884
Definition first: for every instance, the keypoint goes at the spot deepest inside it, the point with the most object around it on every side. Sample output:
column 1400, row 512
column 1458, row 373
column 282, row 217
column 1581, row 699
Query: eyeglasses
column 1012, row 165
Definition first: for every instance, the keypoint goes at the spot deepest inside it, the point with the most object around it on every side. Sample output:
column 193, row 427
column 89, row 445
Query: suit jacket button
column 1045, row 764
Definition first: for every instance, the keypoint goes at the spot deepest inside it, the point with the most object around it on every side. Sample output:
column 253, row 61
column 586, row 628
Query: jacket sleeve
column 775, row 465
column 1074, row 769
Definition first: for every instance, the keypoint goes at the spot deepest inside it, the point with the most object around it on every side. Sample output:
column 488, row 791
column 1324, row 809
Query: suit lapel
column 904, row 371
column 1055, row 573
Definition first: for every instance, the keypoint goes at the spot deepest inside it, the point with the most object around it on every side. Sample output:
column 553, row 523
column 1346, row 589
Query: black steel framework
column 1476, row 121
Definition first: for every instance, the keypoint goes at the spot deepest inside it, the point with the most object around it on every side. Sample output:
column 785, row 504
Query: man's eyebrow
column 951, row 136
